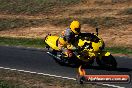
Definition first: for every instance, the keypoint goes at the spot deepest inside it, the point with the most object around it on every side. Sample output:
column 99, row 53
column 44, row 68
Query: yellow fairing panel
column 97, row 45
column 81, row 42
column 91, row 54
column 83, row 59
column 104, row 53
column 51, row 41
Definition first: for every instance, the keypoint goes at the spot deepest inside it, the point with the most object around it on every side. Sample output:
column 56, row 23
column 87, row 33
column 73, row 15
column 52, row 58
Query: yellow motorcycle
column 89, row 47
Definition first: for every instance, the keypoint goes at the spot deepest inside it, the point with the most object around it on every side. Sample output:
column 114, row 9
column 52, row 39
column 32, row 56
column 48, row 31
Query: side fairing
column 51, row 41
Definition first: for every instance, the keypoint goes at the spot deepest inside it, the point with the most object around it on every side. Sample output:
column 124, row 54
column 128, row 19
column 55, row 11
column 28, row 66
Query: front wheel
column 88, row 64
column 59, row 61
column 107, row 61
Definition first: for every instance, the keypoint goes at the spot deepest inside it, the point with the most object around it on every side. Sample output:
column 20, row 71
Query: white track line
column 109, row 85
column 37, row 73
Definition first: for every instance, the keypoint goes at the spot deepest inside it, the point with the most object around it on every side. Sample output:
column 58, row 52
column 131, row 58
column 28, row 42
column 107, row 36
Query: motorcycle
column 89, row 47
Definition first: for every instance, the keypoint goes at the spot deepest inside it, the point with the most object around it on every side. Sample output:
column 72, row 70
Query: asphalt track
column 39, row 61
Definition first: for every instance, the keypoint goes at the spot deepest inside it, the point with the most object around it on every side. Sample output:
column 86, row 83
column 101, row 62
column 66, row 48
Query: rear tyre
column 107, row 62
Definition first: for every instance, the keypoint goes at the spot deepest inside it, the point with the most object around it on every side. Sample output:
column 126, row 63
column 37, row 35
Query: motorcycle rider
column 67, row 38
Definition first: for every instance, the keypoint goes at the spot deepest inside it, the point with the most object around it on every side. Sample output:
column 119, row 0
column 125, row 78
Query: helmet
column 75, row 27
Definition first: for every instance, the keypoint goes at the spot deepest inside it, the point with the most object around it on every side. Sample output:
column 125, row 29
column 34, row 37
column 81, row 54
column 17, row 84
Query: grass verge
column 27, row 42
column 39, row 43
column 14, row 79
column 122, row 50
column 4, row 84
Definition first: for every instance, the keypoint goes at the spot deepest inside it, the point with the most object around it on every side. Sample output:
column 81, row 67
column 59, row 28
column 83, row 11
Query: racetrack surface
column 39, row 61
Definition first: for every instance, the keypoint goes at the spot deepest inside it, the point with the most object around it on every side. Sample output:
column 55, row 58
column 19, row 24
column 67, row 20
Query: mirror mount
column 97, row 31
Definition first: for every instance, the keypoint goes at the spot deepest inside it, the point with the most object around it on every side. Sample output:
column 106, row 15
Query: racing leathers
column 65, row 42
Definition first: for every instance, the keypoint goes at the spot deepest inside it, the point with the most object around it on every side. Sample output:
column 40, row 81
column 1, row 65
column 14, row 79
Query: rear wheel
column 107, row 61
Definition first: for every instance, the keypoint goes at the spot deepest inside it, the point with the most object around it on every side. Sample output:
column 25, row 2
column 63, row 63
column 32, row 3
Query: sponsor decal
column 102, row 78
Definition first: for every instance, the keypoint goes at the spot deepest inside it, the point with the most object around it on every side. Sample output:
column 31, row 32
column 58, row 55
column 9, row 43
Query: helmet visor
column 77, row 30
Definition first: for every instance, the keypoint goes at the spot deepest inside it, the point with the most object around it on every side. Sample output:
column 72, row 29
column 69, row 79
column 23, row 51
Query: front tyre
column 107, row 62
column 89, row 63
column 54, row 52
column 59, row 61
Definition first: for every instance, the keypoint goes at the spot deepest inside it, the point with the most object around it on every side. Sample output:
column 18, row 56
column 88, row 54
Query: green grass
column 39, row 43
column 22, row 42
column 123, row 50
column 6, row 84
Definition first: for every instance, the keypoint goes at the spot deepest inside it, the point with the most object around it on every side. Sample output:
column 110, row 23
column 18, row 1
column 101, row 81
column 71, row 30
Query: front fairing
column 91, row 45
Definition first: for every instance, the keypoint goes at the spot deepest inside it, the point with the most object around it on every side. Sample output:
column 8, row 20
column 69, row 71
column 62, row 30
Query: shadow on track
column 109, row 69
column 101, row 68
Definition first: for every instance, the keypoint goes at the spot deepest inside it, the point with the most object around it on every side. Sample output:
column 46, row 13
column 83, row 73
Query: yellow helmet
column 75, row 27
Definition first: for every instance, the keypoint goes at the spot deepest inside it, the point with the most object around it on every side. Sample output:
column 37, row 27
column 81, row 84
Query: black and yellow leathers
column 89, row 47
